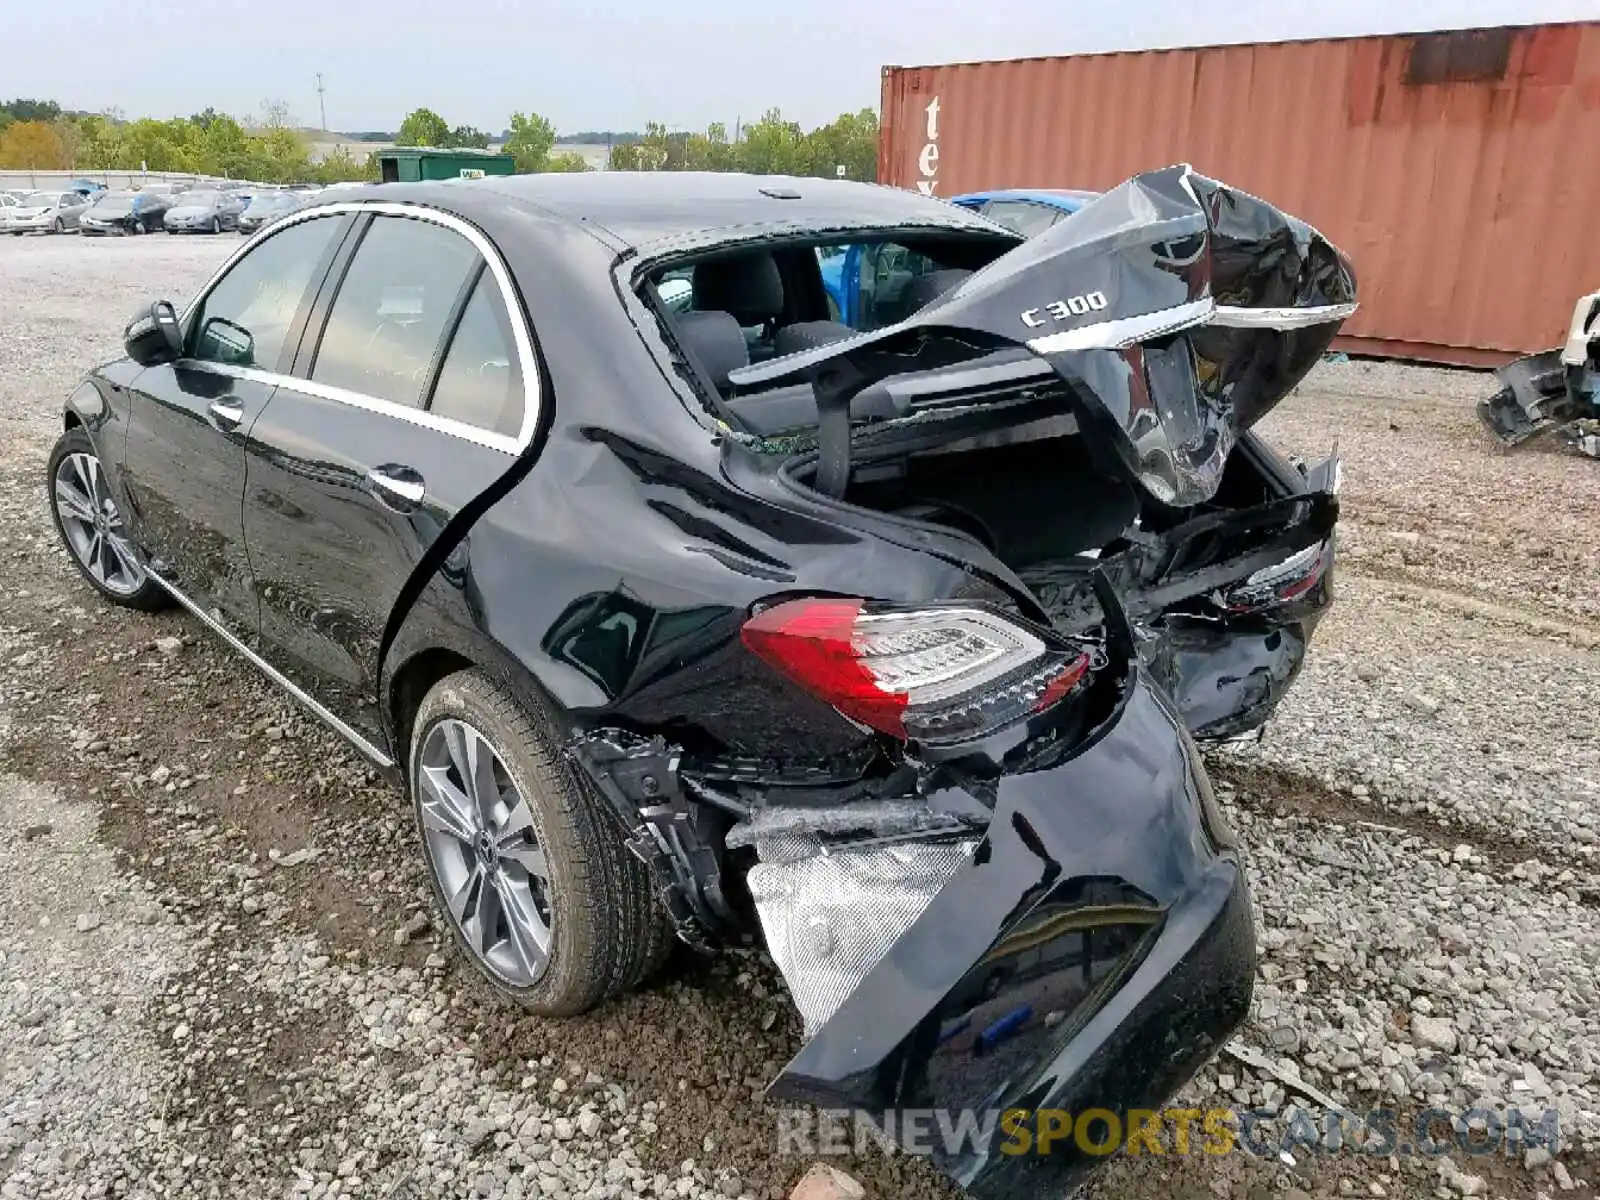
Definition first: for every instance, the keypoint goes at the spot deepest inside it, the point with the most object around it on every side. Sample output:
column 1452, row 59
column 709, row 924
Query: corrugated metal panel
column 1460, row 171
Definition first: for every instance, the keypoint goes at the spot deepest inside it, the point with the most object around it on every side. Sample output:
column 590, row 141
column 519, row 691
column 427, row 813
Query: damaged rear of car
column 1022, row 550
column 1555, row 393
column 679, row 604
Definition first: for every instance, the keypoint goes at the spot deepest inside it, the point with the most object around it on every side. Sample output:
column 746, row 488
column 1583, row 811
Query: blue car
column 1028, row 211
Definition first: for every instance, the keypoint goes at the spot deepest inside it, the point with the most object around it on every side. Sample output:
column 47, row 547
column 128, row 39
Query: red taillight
column 934, row 674
column 810, row 642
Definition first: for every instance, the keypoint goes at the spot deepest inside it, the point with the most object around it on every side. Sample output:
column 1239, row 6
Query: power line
column 322, row 104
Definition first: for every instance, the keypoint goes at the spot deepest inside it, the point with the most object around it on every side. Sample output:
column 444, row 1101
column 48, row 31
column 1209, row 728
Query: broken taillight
column 1280, row 583
column 930, row 674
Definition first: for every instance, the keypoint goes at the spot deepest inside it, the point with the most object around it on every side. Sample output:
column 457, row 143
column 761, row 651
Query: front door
column 183, row 461
column 408, row 405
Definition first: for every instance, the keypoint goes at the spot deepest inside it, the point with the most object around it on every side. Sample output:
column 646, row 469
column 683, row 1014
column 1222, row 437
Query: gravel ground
column 218, row 976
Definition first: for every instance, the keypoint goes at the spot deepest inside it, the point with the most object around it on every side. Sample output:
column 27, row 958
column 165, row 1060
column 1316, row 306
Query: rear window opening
column 730, row 308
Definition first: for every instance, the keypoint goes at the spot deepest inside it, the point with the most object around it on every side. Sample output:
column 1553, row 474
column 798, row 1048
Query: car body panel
column 329, row 557
column 189, row 521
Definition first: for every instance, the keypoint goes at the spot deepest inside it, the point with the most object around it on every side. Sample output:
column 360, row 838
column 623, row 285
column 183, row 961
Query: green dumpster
column 408, row 164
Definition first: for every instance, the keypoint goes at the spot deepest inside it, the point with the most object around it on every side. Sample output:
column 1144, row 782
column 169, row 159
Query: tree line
column 268, row 148
column 40, row 135
column 846, row 146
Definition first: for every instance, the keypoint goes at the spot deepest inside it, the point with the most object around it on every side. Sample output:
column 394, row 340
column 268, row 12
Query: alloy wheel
column 484, row 853
column 93, row 526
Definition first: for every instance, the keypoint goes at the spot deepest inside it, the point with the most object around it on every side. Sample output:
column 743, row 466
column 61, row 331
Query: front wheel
column 528, row 868
column 216, row 225
column 59, row 226
column 91, row 527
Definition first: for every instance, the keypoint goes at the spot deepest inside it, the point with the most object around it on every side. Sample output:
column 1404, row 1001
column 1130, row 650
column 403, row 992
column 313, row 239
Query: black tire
column 607, row 930
column 150, row 596
column 216, row 225
column 60, row 226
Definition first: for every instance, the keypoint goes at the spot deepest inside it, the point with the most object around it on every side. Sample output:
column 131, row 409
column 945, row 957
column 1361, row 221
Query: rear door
column 182, row 465
column 411, row 394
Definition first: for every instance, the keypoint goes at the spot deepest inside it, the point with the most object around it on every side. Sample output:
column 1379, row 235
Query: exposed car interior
column 731, row 309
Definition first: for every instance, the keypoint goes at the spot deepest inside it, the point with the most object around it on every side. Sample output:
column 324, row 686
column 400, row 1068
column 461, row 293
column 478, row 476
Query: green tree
column 470, row 137
column 423, row 127
column 772, row 146
column 341, row 166
column 530, row 142
column 560, row 163
column 850, row 141
column 31, row 110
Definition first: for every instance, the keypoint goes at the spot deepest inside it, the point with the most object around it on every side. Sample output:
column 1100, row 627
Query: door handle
column 399, row 487
column 226, row 416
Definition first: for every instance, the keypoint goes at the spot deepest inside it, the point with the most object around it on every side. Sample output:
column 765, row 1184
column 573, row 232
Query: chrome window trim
column 531, row 390
column 388, row 408
column 371, row 752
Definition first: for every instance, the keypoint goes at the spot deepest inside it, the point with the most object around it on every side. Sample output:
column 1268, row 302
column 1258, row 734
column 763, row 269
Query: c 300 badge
column 1060, row 310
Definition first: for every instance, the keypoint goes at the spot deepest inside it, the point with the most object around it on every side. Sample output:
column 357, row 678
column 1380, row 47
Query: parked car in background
column 726, row 619
column 865, row 280
column 125, row 212
column 45, row 212
column 203, row 210
column 267, row 206
column 1028, row 211
column 87, row 187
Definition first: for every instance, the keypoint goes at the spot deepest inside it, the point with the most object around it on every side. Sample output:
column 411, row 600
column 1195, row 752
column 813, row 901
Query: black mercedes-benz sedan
column 679, row 606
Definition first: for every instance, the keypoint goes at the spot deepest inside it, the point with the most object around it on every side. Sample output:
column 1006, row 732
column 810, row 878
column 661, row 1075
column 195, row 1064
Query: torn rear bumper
column 1093, row 951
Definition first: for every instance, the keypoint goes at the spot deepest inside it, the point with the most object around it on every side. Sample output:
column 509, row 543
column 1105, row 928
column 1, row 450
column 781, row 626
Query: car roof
column 1066, row 199
column 650, row 210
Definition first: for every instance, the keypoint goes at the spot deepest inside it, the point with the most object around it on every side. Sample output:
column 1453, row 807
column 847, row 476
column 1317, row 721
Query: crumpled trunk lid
column 1179, row 310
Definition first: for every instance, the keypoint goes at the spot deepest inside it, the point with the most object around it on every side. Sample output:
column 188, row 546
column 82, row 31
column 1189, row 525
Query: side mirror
column 153, row 337
column 222, row 341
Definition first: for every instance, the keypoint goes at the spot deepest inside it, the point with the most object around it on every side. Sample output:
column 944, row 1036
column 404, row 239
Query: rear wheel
column 91, row 527
column 527, row 866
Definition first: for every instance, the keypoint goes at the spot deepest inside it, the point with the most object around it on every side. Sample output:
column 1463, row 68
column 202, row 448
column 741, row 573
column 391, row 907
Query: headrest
column 803, row 335
column 747, row 285
column 716, row 342
column 925, row 289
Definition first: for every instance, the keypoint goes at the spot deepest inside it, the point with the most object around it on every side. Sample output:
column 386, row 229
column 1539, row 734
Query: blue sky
column 597, row 64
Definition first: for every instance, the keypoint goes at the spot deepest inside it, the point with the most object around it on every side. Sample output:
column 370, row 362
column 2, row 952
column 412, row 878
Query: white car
column 45, row 212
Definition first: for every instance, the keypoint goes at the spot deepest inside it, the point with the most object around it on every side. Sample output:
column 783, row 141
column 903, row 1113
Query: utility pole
column 322, row 104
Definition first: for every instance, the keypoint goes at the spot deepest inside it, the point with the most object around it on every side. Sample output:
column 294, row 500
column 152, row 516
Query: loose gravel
column 219, row 975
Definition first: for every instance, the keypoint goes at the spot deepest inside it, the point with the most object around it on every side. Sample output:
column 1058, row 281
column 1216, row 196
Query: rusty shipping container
column 1460, row 170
